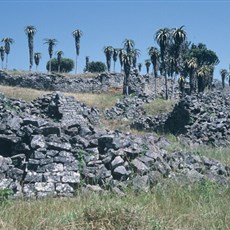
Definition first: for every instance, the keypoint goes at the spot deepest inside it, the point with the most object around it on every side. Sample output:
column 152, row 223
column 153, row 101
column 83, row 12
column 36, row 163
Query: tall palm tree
column 108, row 50
column 147, row 64
column 162, row 38
column 129, row 45
column 127, row 60
column 121, row 54
column 154, row 57
column 2, row 54
column 51, row 43
column 115, row 56
column 59, row 59
column 223, row 74
column 77, row 36
column 30, row 32
column 37, row 58
column 135, row 53
column 7, row 43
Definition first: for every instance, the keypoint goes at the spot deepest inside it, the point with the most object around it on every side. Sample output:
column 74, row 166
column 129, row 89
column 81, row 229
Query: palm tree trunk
column 50, row 66
column 155, row 80
column 6, row 60
column 173, row 84
column 76, row 66
column 166, row 87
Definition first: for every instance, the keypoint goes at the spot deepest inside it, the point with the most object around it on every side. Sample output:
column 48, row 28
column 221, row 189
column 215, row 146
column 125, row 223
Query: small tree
column 96, row 67
column 51, row 43
column 108, row 50
column 2, row 54
column 67, row 65
column 37, row 58
column 7, row 43
column 147, row 64
column 139, row 66
column 120, row 55
column 115, row 56
column 224, row 74
column 86, row 64
column 59, row 59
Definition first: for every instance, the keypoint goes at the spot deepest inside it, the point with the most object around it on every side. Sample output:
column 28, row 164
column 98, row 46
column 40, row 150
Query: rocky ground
column 56, row 145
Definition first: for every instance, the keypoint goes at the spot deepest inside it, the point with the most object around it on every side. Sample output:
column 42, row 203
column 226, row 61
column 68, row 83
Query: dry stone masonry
column 56, row 145
column 197, row 119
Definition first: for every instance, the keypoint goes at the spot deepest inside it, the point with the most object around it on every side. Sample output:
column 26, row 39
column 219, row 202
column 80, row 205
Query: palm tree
column 135, row 53
column 30, row 31
column 51, row 43
column 224, row 74
column 115, row 55
column 37, row 58
column 147, row 64
column 59, row 59
column 121, row 54
column 77, row 35
column 179, row 36
column 202, row 74
column 192, row 65
column 127, row 60
column 154, row 57
column 108, row 50
column 7, row 43
column 2, row 54
column 139, row 66
column 162, row 37
column 129, row 45
column 86, row 64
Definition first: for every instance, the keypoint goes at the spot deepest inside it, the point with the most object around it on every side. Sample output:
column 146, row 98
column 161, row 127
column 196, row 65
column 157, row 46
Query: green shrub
column 96, row 67
column 67, row 65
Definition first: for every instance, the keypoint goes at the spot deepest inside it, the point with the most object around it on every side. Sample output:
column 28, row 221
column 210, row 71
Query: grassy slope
column 167, row 206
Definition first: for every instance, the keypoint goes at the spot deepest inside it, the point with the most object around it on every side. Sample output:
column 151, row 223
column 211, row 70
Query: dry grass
column 69, row 75
column 166, row 206
column 159, row 106
column 100, row 101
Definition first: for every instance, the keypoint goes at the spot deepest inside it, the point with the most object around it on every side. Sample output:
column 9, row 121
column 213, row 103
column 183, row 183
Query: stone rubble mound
column 196, row 119
column 56, row 145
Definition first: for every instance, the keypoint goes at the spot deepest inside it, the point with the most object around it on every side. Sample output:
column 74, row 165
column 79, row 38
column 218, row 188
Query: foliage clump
column 66, row 65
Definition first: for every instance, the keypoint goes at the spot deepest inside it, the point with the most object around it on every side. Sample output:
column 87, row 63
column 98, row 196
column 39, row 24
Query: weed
column 5, row 195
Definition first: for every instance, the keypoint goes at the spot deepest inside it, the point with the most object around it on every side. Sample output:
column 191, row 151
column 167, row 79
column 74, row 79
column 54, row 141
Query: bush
column 67, row 65
column 96, row 67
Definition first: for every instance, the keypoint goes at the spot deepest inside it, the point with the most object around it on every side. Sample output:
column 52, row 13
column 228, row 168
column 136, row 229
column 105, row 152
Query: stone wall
column 197, row 119
column 56, row 145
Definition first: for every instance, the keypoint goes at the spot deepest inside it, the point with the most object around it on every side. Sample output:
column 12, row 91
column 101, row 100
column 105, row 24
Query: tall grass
column 166, row 206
